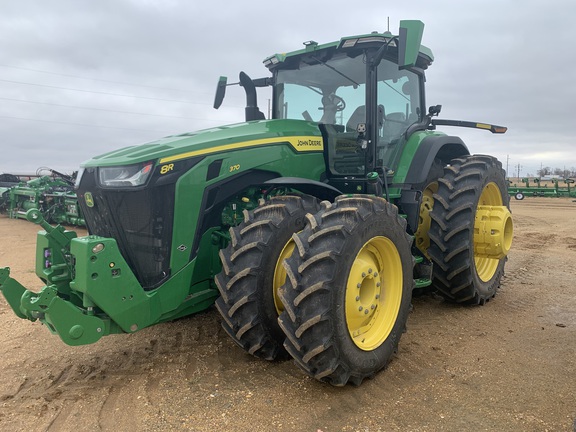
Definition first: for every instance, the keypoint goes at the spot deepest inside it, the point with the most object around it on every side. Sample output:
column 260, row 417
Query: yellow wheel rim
column 421, row 234
column 280, row 274
column 489, row 252
column 373, row 293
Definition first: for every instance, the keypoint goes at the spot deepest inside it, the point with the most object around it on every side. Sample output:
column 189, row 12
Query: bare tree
column 544, row 171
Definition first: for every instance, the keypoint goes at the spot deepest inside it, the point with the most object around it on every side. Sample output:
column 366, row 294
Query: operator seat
column 358, row 116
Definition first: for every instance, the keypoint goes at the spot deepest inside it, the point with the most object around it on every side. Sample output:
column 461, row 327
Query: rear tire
column 348, row 289
column 460, row 274
column 252, row 272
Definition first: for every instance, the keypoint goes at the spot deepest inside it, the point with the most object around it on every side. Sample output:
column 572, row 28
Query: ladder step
column 422, row 282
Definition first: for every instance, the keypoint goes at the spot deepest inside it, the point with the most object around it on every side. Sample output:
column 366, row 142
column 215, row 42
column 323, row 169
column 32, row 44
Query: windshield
column 326, row 93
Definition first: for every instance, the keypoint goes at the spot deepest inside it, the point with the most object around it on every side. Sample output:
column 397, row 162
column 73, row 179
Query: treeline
column 547, row 171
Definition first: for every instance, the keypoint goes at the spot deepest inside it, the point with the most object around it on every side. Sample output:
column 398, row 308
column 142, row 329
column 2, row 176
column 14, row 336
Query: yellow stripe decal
column 298, row 143
column 483, row 126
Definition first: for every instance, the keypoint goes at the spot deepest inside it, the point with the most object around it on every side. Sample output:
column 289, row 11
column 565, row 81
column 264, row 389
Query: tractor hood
column 302, row 135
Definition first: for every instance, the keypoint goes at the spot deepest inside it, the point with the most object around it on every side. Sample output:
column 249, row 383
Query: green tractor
column 309, row 231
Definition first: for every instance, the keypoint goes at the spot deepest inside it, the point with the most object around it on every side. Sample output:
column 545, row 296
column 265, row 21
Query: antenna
column 388, row 19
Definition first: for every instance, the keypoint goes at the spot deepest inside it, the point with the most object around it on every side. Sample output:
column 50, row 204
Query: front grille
column 141, row 222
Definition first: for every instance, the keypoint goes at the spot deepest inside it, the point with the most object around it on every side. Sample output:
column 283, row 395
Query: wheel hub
column 367, row 294
column 492, row 232
column 373, row 293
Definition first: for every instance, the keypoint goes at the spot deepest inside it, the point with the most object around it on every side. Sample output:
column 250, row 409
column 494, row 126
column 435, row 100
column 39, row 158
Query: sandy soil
column 507, row 366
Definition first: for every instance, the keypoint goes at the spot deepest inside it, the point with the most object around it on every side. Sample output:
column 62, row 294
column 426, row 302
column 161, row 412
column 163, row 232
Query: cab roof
column 371, row 40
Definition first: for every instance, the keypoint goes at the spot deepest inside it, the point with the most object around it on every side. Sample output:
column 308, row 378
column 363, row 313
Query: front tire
column 471, row 229
column 348, row 290
column 252, row 272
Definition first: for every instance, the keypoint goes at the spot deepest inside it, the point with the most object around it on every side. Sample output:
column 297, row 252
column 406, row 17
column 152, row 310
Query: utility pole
column 507, row 159
column 518, row 171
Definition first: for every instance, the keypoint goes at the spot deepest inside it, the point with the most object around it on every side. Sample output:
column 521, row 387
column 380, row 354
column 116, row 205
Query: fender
column 310, row 187
column 441, row 147
column 216, row 195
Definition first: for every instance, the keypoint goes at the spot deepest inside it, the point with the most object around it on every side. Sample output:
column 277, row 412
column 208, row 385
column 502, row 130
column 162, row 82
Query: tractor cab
column 364, row 103
column 364, row 92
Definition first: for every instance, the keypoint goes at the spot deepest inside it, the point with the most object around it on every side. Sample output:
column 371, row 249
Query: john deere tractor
column 309, row 230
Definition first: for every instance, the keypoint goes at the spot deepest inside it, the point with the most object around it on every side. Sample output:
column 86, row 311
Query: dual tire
column 348, row 284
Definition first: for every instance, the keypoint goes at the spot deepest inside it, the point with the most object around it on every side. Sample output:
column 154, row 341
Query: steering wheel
column 335, row 102
column 338, row 102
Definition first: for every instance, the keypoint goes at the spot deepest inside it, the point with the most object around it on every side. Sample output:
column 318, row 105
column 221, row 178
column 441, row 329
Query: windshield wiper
column 337, row 71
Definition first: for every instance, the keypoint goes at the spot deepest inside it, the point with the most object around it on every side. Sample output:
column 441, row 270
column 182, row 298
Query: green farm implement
column 309, row 231
column 519, row 192
column 53, row 195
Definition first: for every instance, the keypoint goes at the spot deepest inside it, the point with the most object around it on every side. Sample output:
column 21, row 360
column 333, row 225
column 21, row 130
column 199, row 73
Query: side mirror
column 434, row 110
column 220, row 91
column 409, row 40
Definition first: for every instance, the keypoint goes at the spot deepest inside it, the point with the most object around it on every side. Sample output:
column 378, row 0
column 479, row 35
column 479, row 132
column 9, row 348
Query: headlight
column 125, row 176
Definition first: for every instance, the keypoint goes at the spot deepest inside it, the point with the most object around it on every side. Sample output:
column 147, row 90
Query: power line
column 103, row 109
column 104, row 93
column 81, row 124
column 96, row 79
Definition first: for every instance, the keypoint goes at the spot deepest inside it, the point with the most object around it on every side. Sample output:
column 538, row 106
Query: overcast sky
column 79, row 78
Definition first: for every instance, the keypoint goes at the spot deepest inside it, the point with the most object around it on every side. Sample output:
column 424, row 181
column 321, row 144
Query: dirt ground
column 507, row 366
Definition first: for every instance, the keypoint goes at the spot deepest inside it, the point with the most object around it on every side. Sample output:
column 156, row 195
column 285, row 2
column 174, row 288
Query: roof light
column 349, row 43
